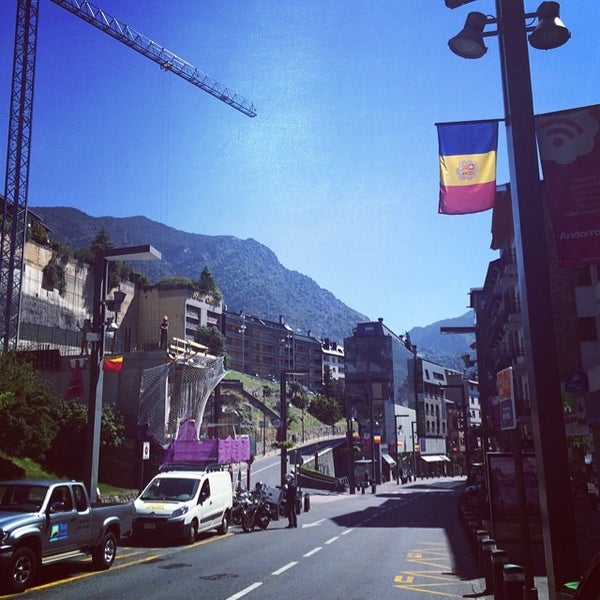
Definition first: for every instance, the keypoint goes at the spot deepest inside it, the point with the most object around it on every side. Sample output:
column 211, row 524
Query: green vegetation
column 39, row 426
column 208, row 286
column 211, row 337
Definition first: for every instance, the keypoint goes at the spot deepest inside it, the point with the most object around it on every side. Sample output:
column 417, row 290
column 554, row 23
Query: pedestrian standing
column 86, row 329
column 290, row 501
column 164, row 332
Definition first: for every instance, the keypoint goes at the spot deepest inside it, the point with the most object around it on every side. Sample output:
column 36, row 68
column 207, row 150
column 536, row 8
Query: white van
column 180, row 504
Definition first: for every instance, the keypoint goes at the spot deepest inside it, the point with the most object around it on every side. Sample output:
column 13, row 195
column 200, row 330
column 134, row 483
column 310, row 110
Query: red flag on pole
column 113, row 363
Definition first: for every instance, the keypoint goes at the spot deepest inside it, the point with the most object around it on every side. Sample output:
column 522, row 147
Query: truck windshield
column 22, row 497
column 171, row 490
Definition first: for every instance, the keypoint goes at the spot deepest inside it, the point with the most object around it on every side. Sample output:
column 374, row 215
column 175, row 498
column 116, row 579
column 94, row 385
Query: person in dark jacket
column 290, row 501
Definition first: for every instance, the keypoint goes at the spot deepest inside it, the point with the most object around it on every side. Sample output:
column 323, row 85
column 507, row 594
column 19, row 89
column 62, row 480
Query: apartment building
column 333, row 359
column 265, row 348
column 500, row 338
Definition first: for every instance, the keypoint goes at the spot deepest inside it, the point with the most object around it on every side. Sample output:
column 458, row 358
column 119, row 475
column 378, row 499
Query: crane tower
column 14, row 204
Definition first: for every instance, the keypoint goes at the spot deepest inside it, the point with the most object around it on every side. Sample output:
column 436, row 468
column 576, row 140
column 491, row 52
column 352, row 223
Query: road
column 403, row 542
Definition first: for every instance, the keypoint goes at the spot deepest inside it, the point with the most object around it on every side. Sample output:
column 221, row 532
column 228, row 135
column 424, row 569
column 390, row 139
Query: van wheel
column 193, row 532
column 224, row 527
column 103, row 556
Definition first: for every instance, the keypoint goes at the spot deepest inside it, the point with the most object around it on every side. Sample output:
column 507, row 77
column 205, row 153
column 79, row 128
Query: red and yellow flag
column 467, row 166
column 113, row 363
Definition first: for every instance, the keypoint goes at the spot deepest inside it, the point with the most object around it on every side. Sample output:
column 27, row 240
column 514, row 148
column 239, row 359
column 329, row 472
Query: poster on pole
column 506, row 399
column 504, row 500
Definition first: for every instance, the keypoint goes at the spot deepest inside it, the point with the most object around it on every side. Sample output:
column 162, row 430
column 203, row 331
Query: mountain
column 445, row 349
column 248, row 273
column 250, row 276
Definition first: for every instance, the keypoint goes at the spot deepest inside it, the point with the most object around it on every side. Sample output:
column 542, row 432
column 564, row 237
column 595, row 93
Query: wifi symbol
column 559, row 130
column 563, row 138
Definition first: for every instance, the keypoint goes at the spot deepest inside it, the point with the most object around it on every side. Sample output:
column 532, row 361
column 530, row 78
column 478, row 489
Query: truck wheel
column 23, row 567
column 224, row 527
column 193, row 532
column 103, row 556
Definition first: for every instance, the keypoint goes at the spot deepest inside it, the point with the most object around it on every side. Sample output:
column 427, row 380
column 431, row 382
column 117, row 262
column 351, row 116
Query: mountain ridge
column 248, row 274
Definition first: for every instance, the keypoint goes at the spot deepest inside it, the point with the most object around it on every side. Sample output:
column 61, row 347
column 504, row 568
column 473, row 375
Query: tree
column 300, row 399
column 211, row 336
column 72, row 421
column 327, row 410
column 208, row 286
column 117, row 271
column 27, row 409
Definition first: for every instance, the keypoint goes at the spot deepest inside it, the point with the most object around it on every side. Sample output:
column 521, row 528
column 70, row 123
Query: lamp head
column 550, row 32
column 469, row 42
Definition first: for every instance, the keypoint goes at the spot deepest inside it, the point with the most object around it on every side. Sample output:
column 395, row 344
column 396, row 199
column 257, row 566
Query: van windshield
column 171, row 490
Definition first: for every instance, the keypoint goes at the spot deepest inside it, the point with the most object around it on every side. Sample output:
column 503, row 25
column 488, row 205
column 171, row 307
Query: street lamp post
column 283, row 415
column 556, row 502
column 413, row 426
column 243, row 332
column 396, row 428
column 465, row 419
column 94, row 412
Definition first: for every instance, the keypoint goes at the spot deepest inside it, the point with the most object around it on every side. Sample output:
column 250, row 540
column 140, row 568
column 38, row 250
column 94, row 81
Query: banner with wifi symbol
column 569, row 148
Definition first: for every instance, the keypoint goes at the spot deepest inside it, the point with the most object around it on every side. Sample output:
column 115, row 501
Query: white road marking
column 313, row 551
column 245, row 591
column 285, row 568
column 315, row 524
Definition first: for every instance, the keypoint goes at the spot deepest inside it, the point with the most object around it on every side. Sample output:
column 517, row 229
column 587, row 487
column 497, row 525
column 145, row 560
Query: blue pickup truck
column 43, row 522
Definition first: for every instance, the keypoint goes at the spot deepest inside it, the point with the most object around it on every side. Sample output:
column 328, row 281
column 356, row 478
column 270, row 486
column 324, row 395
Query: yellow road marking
column 416, row 588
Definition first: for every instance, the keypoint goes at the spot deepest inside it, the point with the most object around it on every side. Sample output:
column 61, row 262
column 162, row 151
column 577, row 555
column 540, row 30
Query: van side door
column 206, row 510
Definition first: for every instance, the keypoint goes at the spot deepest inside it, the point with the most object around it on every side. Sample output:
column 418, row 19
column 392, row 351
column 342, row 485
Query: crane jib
column 159, row 54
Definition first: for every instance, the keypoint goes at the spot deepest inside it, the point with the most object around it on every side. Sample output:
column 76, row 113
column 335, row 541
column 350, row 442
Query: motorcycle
column 258, row 511
column 241, row 503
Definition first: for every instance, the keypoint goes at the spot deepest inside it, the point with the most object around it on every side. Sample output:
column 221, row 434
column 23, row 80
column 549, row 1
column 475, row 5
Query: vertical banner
column 506, row 399
column 467, row 154
column 569, row 147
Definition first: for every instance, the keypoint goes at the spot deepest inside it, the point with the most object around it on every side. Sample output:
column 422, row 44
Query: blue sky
column 338, row 173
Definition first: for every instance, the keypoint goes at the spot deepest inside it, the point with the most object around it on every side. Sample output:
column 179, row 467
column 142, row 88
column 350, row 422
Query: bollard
column 514, row 582
column 480, row 535
column 530, row 593
column 373, row 487
column 306, row 502
column 472, row 526
column 498, row 559
column 488, row 545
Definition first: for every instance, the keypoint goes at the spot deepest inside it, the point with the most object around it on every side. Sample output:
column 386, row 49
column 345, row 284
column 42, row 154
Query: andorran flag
column 467, row 166
column 113, row 363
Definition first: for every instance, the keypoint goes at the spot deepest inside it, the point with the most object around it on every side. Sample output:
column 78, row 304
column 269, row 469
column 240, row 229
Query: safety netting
column 176, row 392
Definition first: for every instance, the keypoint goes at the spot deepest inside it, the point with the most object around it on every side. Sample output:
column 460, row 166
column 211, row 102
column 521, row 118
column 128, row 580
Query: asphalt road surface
column 404, row 541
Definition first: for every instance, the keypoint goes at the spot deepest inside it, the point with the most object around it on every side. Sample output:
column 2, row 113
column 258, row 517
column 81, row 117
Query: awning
column 435, row 458
column 388, row 459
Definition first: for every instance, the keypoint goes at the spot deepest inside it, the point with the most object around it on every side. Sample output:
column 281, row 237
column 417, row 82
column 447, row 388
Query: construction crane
column 14, row 205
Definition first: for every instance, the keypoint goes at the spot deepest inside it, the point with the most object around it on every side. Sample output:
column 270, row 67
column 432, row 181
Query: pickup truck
column 43, row 522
